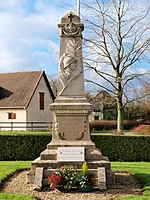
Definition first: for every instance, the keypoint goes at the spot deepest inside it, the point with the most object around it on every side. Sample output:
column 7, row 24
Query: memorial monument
column 71, row 143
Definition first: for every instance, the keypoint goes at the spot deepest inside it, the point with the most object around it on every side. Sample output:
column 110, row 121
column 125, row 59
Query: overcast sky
column 29, row 38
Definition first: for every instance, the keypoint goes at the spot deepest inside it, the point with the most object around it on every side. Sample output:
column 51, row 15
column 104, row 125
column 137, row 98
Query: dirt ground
column 126, row 185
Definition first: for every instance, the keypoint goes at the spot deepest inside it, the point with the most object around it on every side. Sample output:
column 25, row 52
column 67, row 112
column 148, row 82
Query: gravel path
column 126, row 185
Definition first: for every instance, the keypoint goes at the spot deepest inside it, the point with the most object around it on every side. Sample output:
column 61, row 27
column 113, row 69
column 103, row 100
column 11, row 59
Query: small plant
column 84, row 170
column 85, row 183
column 66, row 177
column 55, row 180
column 141, row 129
column 69, row 176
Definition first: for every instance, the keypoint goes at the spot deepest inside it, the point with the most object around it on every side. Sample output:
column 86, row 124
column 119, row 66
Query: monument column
column 71, row 108
column 70, row 112
column 70, row 65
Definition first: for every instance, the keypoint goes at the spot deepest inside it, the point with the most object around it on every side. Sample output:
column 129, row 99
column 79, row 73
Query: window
column 41, row 103
column 96, row 117
column 11, row 115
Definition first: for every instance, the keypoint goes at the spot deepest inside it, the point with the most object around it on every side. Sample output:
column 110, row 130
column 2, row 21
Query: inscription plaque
column 70, row 154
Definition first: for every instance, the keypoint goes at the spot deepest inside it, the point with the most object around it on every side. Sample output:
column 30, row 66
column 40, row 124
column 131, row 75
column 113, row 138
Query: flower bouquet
column 64, row 178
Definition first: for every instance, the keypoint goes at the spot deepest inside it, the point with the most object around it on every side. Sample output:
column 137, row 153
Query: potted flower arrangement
column 85, row 182
column 67, row 177
column 64, row 178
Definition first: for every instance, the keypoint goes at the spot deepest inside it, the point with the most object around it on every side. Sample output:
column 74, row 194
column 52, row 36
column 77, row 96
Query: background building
column 24, row 99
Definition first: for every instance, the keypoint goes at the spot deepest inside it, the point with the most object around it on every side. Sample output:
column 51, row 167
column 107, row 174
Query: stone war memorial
column 71, row 143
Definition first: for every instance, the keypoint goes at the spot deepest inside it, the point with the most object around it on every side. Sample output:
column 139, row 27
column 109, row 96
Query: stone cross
column 71, row 17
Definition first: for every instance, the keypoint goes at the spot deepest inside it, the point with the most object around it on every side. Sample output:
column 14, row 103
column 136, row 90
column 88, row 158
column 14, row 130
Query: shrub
column 117, row 148
column 123, row 148
column 22, row 147
column 103, row 125
column 112, row 124
column 141, row 129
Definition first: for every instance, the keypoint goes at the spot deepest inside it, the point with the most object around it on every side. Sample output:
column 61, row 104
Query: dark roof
column 17, row 89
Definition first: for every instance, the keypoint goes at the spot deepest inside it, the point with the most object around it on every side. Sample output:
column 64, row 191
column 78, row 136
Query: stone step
column 90, row 155
column 94, row 155
column 53, row 164
column 86, row 144
column 49, row 155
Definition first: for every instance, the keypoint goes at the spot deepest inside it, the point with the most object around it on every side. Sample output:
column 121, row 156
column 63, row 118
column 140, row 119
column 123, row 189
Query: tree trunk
column 120, row 125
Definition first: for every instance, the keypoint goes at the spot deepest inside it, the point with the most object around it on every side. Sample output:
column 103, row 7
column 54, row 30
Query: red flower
column 54, row 180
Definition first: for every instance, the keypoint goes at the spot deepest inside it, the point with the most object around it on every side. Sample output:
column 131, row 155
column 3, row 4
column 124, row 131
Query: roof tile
column 17, row 88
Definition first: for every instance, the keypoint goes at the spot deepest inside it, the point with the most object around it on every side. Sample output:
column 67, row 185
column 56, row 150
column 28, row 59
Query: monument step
column 49, row 155
column 90, row 155
column 87, row 144
column 94, row 154
column 54, row 164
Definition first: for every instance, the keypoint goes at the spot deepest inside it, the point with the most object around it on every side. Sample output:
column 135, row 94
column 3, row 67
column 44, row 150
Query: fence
column 25, row 126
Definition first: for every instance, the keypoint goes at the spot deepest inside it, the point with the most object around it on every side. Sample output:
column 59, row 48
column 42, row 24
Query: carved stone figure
column 70, row 65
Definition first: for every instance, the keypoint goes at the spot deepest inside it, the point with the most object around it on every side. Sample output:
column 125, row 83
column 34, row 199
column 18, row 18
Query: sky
column 29, row 37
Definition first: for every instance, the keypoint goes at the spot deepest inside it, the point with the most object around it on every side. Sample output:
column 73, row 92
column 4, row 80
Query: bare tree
column 53, row 84
column 118, row 43
column 144, row 103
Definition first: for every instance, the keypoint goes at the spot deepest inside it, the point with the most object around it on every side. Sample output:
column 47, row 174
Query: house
column 24, row 99
column 104, row 107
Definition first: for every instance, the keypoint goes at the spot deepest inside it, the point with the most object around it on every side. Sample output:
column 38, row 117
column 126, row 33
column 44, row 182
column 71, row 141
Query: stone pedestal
column 70, row 109
column 71, row 129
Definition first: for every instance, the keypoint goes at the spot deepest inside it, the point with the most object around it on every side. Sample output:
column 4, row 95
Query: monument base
column 48, row 161
column 70, row 129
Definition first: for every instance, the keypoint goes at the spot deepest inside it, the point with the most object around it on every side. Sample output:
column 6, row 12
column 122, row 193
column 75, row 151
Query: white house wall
column 33, row 111
column 11, row 123
column 98, row 115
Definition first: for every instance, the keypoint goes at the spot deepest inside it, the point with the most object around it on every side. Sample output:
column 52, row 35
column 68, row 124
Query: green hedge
column 117, row 148
column 112, row 124
column 22, row 147
column 124, row 148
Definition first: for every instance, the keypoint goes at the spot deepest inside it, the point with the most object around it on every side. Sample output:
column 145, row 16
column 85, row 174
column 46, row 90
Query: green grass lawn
column 4, row 196
column 108, row 132
column 6, row 169
column 141, row 170
column 9, row 167
column 25, row 133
